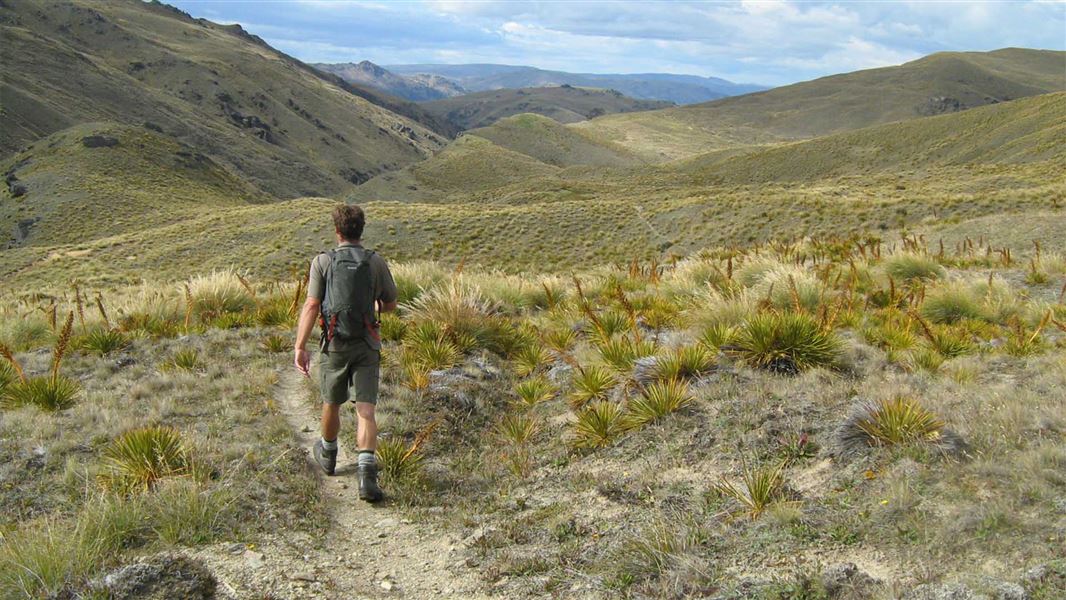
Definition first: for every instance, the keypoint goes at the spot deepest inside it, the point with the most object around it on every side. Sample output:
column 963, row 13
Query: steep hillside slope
column 281, row 124
column 1025, row 130
column 97, row 180
column 945, row 82
column 416, row 88
column 669, row 87
column 566, row 104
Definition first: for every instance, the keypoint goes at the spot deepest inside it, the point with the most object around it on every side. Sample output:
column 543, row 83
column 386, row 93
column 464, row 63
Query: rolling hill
column 939, row 83
column 416, row 88
column 565, row 104
column 285, row 127
column 669, row 87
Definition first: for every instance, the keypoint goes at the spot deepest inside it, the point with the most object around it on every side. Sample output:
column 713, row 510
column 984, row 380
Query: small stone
column 387, row 585
column 254, row 559
column 308, row 577
column 236, row 548
column 306, row 429
column 386, row 523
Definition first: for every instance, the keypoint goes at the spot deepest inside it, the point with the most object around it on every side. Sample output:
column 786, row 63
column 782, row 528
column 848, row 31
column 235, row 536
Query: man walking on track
column 348, row 287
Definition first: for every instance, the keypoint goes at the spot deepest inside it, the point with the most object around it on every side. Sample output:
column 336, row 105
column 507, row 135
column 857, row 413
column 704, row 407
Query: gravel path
column 372, row 551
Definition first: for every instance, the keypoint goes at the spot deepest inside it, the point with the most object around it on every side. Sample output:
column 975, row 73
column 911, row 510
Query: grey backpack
column 347, row 311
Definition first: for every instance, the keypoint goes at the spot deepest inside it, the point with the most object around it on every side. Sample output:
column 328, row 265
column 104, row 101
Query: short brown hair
column 349, row 221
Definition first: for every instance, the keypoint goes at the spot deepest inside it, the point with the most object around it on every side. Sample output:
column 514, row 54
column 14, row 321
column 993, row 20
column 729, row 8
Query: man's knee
column 365, row 410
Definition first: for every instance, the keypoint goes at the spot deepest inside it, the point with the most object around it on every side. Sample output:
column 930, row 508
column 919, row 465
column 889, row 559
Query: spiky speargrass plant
column 621, row 352
column 658, row 400
column 517, row 428
column 186, row 359
column 54, row 392
column 607, row 324
column 892, row 331
column 401, row 463
column 683, row 363
column 598, row 425
column 760, row 486
column 923, row 359
column 219, row 293
column 591, row 383
column 911, row 268
column 560, row 340
column 416, row 374
column 138, row 459
column 946, row 340
column 898, row 421
column 275, row 344
column 533, row 391
column 717, row 335
column 102, row 341
column 435, row 353
column 787, row 343
column 1023, row 342
column 951, row 303
column 392, row 327
column 530, row 359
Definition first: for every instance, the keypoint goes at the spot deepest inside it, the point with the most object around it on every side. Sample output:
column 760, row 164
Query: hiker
column 345, row 286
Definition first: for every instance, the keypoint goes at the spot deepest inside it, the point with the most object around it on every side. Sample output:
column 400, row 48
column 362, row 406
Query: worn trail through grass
column 369, row 551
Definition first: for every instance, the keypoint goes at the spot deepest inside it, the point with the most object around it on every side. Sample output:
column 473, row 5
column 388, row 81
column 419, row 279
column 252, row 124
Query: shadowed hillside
column 936, row 84
column 415, row 87
column 285, row 127
column 565, row 104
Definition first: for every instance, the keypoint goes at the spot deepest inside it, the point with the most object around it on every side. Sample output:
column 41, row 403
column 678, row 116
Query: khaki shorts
column 340, row 370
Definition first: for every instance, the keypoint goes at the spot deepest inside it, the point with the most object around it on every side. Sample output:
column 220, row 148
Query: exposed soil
column 370, row 551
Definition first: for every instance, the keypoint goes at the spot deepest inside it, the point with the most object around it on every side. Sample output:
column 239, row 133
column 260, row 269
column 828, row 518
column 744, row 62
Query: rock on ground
column 160, row 577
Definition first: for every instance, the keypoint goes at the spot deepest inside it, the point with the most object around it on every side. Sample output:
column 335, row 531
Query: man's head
column 349, row 220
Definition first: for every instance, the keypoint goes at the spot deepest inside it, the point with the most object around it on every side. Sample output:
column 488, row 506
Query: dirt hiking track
column 373, row 551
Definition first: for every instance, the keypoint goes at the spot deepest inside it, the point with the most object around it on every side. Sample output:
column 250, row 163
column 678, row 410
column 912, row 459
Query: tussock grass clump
column 533, row 391
column 900, row 421
column 140, row 458
column 26, row 334
column 591, row 383
column 458, row 307
column 608, row 324
column 683, row 363
column 790, row 287
column 658, row 400
column 759, row 487
column 787, row 343
column 217, row 294
column 912, row 268
column 102, row 341
column 655, row 551
column 598, row 425
column 951, row 303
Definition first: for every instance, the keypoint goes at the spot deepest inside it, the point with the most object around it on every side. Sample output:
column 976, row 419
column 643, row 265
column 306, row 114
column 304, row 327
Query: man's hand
column 303, row 362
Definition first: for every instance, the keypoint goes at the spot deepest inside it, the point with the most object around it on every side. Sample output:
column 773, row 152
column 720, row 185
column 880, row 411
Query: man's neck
column 343, row 241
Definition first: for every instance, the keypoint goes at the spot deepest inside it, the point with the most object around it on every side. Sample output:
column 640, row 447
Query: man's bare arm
column 386, row 306
column 304, row 328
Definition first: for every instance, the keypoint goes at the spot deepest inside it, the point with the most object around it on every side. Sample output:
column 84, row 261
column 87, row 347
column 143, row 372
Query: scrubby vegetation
column 709, row 413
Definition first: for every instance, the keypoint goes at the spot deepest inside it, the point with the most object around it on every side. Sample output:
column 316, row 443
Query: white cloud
column 767, row 41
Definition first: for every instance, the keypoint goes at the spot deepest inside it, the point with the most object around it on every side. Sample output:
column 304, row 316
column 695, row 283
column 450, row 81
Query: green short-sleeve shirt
column 384, row 288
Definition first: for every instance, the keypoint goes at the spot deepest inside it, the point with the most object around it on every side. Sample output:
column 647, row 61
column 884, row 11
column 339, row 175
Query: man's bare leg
column 367, row 434
column 331, row 421
column 367, row 467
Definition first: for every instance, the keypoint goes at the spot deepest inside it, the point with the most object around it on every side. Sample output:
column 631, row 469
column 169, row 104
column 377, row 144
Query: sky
column 771, row 42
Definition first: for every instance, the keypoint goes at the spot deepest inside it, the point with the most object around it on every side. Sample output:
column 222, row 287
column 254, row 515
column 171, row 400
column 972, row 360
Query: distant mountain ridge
column 564, row 104
column 286, row 128
column 418, row 87
column 679, row 89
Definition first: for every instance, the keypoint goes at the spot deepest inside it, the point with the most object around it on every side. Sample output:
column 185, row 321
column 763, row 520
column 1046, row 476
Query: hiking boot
column 327, row 459
column 368, row 483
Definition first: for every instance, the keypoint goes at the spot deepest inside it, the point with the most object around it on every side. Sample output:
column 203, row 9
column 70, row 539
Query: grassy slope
column 838, row 103
column 1025, row 130
column 553, row 143
column 564, row 104
column 508, row 210
column 147, row 180
column 202, row 83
